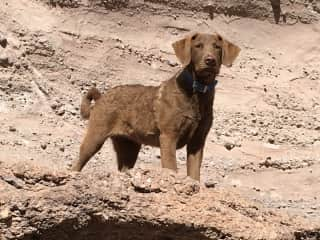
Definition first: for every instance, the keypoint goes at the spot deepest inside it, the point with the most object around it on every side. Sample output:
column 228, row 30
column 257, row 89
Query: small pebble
column 172, row 63
column 43, row 146
column 61, row 112
column 12, row 129
column 5, row 215
column 271, row 140
column 210, row 184
column 229, row 146
column 3, row 41
column 4, row 61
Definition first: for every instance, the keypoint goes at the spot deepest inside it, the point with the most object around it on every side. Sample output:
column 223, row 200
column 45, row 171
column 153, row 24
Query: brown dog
column 176, row 113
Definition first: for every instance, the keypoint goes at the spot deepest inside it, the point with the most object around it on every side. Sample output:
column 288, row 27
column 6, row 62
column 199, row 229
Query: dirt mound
column 143, row 204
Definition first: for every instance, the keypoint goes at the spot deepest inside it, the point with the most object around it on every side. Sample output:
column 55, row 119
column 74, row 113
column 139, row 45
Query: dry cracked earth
column 261, row 167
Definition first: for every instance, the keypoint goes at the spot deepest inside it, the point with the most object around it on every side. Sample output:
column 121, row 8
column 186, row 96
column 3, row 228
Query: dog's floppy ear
column 230, row 52
column 182, row 49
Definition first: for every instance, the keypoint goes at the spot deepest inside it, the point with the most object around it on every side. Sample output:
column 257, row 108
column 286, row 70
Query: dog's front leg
column 194, row 160
column 168, row 151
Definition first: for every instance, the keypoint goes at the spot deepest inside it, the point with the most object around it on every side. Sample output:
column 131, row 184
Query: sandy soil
column 267, row 108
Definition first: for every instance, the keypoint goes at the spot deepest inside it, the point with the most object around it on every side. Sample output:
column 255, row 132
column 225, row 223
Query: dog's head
column 205, row 53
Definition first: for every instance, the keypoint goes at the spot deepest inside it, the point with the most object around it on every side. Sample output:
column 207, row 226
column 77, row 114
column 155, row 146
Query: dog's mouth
column 206, row 72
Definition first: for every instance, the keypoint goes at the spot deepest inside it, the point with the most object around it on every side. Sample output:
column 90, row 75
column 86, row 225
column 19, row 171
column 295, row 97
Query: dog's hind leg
column 127, row 152
column 91, row 144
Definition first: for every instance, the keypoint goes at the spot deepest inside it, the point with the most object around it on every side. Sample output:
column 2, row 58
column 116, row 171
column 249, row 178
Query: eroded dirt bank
column 142, row 204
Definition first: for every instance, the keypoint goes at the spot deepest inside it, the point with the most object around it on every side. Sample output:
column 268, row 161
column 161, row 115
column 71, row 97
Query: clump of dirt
column 287, row 164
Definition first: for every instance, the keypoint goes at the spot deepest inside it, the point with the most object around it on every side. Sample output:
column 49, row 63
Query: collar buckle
column 196, row 85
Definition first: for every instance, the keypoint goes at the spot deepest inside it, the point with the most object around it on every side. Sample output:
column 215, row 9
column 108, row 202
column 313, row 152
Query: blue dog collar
column 196, row 85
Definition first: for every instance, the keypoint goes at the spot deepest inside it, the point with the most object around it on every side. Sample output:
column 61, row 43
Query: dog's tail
column 92, row 94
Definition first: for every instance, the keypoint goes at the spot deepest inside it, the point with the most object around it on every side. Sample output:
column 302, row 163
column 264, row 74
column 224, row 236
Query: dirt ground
column 265, row 141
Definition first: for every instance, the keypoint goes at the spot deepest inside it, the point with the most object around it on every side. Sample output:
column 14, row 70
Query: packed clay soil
column 265, row 141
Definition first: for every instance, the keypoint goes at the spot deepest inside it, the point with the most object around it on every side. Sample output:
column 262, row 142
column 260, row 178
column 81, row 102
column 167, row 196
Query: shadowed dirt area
column 263, row 149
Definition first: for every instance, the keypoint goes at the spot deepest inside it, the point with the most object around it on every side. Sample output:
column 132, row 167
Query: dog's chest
column 192, row 120
column 180, row 114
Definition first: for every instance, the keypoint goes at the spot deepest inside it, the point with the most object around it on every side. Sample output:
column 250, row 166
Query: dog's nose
column 210, row 61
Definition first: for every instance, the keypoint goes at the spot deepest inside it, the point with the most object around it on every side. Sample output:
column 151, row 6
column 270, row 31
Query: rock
column 254, row 132
column 256, row 189
column 229, row 145
column 61, row 112
column 271, row 140
column 3, row 41
column 4, row 60
column 316, row 6
column 189, row 188
column 17, row 65
column 5, row 215
column 210, row 184
column 44, row 146
column 172, row 63
column 12, row 129
column 267, row 163
column 54, row 106
column 17, row 183
column 7, row 58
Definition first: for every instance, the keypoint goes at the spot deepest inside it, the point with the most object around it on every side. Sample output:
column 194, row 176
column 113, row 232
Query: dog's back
column 129, row 111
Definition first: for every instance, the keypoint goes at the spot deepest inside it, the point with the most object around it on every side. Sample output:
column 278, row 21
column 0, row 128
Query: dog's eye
column 199, row 45
column 216, row 46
